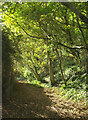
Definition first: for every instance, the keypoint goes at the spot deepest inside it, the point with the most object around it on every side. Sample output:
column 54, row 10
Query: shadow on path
column 28, row 101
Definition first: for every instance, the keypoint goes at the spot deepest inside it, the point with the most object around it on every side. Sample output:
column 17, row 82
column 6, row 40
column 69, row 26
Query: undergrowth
column 75, row 90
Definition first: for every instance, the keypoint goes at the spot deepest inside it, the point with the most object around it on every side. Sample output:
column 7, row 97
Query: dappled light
column 29, row 101
column 45, row 60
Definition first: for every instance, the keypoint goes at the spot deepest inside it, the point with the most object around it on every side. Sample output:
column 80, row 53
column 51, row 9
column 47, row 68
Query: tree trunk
column 86, row 46
column 79, row 14
column 60, row 65
column 36, row 74
column 50, row 69
column 35, row 71
column 87, row 67
column 87, row 55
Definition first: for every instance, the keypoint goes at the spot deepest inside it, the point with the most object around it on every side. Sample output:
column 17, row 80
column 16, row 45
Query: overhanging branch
column 47, row 37
column 25, row 30
column 75, row 47
column 71, row 7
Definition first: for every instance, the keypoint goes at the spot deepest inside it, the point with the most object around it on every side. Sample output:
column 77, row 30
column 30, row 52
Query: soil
column 29, row 101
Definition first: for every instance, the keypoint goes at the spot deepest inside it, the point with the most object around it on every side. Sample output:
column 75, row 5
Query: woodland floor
column 28, row 101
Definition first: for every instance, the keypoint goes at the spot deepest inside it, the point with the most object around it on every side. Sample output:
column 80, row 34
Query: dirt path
column 29, row 101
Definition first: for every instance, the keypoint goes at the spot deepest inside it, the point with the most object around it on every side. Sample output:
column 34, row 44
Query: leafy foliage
column 50, row 44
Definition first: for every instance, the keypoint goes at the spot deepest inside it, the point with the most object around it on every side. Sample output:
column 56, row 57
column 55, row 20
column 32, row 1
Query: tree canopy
column 49, row 39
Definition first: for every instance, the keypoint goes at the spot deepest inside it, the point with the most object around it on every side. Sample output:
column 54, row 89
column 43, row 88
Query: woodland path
column 29, row 101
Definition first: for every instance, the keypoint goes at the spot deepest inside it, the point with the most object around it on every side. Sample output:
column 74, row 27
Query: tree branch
column 81, row 32
column 58, row 43
column 47, row 37
column 25, row 30
column 76, row 47
column 71, row 7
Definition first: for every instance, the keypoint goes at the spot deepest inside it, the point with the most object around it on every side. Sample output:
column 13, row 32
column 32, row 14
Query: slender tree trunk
column 87, row 56
column 86, row 45
column 87, row 66
column 36, row 74
column 35, row 71
column 68, row 30
column 73, row 9
column 50, row 69
column 60, row 65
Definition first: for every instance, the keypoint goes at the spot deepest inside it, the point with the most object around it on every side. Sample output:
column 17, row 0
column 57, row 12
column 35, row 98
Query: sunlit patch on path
column 29, row 101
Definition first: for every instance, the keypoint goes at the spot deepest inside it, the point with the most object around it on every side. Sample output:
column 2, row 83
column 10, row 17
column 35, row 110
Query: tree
column 8, row 79
column 45, row 27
